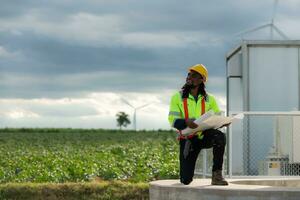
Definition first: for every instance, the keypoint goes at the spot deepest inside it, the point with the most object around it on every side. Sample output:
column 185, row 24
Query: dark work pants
column 212, row 138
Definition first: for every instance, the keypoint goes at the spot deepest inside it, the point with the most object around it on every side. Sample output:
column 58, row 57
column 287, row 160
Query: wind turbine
column 134, row 110
column 271, row 25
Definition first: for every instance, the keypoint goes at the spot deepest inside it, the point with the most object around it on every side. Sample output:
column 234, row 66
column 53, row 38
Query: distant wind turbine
column 134, row 110
column 271, row 25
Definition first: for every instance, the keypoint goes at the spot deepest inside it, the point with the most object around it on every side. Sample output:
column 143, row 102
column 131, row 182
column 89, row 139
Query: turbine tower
column 135, row 109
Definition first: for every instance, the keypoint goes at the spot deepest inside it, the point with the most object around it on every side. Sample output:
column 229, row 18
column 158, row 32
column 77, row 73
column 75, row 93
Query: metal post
column 230, row 152
column 298, row 79
column 204, row 163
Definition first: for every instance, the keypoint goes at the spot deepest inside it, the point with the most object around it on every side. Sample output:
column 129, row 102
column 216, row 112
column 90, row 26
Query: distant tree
column 122, row 119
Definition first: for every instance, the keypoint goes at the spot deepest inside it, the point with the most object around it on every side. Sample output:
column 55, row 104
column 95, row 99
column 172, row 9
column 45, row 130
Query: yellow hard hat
column 201, row 69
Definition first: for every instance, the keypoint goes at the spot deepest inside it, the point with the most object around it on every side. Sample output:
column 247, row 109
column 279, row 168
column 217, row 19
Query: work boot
column 217, row 178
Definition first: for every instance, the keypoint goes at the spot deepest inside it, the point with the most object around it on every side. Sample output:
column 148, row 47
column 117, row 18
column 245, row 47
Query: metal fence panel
column 261, row 144
column 266, row 144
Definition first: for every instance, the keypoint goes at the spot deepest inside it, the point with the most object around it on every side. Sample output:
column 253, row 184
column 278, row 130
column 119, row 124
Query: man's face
column 194, row 78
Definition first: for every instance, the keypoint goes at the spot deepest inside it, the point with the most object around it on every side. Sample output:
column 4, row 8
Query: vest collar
column 192, row 97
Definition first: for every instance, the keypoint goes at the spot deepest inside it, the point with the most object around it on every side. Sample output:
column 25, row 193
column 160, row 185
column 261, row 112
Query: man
column 187, row 105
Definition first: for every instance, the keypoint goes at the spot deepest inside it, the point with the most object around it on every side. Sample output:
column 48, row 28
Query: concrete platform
column 238, row 189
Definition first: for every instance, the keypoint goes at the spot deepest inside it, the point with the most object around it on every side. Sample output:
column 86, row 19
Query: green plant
column 77, row 155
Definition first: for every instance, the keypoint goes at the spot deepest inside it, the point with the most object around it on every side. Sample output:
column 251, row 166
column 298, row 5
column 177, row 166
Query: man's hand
column 190, row 123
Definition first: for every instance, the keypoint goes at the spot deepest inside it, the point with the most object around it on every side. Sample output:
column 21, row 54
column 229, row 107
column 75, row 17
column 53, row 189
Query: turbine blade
column 274, row 11
column 126, row 102
column 143, row 106
column 280, row 32
column 252, row 29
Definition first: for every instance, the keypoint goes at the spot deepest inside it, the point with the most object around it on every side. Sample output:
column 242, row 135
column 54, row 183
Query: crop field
column 76, row 155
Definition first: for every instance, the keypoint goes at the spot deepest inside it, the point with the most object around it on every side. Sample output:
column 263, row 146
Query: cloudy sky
column 70, row 63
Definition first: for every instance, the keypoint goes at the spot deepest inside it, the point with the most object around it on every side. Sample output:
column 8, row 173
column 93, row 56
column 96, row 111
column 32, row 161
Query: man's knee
column 220, row 138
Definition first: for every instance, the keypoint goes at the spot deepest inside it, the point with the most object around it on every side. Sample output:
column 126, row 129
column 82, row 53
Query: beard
column 187, row 87
column 190, row 86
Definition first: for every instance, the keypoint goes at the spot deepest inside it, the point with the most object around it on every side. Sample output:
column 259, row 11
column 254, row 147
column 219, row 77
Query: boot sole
column 223, row 184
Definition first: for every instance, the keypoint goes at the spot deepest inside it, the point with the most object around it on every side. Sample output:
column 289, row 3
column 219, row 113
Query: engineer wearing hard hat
column 187, row 105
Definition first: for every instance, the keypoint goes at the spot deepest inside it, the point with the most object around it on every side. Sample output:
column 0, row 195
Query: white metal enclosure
column 261, row 76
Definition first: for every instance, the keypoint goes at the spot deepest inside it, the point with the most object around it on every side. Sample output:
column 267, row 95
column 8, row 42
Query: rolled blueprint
column 210, row 121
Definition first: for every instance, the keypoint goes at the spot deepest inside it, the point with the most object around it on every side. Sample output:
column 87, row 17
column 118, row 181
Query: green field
column 75, row 155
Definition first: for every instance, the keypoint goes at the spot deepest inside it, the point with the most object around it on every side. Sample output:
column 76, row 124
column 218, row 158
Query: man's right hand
column 190, row 123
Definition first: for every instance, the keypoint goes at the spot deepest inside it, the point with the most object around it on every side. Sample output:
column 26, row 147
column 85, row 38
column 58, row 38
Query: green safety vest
column 194, row 109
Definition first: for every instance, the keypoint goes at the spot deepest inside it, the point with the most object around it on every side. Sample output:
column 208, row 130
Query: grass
column 104, row 190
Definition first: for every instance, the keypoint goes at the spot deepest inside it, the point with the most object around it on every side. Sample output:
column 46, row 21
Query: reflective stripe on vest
column 186, row 116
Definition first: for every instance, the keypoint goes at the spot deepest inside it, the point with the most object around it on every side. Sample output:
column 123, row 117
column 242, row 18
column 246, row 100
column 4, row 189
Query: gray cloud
column 152, row 15
column 71, row 48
